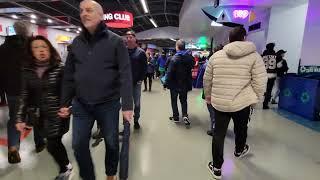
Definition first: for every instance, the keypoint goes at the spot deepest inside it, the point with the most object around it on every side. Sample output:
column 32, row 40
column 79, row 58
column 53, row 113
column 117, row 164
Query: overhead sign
column 243, row 14
column 309, row 69
column 119, row 19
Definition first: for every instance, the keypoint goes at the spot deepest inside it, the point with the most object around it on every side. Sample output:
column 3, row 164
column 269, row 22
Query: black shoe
column 216, row 173
column 14, row 157
column 266, row 107
column 97, row 134
column 210, row 132
column 40, row 148
column 174, row 119
column 149, row 90
column 186, row 121
column 144, row 90
column 136, row 125
column 274, row 101
column 243, row 153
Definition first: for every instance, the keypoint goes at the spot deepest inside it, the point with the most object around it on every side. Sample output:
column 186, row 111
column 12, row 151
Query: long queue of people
column 42, row 93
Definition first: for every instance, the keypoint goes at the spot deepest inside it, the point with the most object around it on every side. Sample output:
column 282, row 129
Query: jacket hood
column 183, row 52
column 240, row 48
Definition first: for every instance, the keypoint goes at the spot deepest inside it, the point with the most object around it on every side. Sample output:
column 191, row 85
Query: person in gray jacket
column 96, row 76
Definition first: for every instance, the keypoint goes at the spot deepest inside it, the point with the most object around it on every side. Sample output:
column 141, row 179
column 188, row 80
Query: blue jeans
column 107, row 116
column 13, row 133
column 137, row 101
column 212, row 120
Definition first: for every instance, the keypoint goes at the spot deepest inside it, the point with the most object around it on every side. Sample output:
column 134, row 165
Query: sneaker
column 40, row 148
column 215, row 172
column 65, row 175
column 266, row 107
column 14, row 157
column 186, row 121
column 136, row 125
column 243, row 153
column 145, row 90
column 210, row 133
column 274, row 101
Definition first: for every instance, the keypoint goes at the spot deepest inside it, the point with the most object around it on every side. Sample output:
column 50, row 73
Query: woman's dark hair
column 237, row 34
column 54, row 55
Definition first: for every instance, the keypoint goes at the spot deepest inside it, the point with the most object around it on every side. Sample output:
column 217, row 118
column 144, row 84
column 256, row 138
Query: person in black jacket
column 282, row 69
column 13, row 54
column 97, row 74
column 270, row 60
column 138, row 59
column 150, row 73
column 179, row 81
column 40, row 99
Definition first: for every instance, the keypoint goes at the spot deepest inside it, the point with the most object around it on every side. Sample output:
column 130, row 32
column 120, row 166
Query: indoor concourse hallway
column 162, row 150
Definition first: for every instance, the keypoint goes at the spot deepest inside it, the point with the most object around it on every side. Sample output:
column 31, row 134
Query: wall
column 310, row 54
column 286, row 29
column 52, row 33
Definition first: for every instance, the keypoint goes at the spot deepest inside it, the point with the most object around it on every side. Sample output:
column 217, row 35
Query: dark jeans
column 137, row 101
column 240, row 120
column 149, row 76
column 211, row 112
column 107, row 116
column 13, row 133
column 58, row 152
column 268, row 93
column 183, row 96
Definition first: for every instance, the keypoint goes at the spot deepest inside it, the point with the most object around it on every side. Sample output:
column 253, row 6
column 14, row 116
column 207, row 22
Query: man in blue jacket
column 139, row 63
column 97, row 75
column 179, row 81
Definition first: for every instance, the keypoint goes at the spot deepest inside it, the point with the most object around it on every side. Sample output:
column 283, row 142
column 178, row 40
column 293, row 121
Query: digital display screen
column 10, row 31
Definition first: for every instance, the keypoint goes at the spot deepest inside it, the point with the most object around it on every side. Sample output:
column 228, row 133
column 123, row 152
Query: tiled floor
column 281, row 149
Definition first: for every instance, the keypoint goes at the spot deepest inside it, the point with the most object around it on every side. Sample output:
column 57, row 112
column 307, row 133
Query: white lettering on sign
column 117, row 16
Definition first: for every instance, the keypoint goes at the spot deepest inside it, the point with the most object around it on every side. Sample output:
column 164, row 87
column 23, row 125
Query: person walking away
column 138, row 59
column 179, row 81
column 282, row 69
column 269, row 57
column 150, row 73
column 40, row 97
column 12, row 60
column 162, row 64
column 234, row 80
column 94, row 81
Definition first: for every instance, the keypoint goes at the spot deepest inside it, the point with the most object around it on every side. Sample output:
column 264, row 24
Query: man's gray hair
column 181, row 44
column 21, row 28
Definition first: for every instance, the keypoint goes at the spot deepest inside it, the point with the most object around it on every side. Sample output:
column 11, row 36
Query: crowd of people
column 42, row 93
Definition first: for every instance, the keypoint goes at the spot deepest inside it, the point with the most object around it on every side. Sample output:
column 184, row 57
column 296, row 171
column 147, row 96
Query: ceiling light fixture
column 33, row 16
column 79, row 29
column 49, row 21
column 144, row 6
column 33, row 21
column 154, row 23
column 173, row 40
column 68, row 29
column 215, row 24
column 78, row 32
column 14, row 16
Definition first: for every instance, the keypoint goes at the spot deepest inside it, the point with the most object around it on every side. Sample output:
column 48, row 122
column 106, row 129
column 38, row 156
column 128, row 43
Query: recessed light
column 49, row 21
column 33, row 21
column 79, row 29
column 78, row 32
column 68, row 29
column 14, row 16
column 33, row 16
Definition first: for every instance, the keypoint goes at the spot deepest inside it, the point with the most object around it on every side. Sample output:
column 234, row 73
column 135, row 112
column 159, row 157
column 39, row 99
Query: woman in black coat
column 40, row 99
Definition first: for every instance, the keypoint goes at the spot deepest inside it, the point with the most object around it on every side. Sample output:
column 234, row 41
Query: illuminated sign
column 10, row 31
column 243, row 14
column 119, row 19
column 63, row 39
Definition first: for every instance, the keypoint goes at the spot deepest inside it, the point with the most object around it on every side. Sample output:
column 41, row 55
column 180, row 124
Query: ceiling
column 66, row 12
column 265, row 3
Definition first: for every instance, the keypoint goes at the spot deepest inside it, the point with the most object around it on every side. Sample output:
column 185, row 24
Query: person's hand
column 208, row 99
column 21, row 126
column 64, row 112
column 127, row 115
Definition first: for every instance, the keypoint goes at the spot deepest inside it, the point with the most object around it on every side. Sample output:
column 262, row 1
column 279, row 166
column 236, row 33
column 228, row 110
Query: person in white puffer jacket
column 235, row 79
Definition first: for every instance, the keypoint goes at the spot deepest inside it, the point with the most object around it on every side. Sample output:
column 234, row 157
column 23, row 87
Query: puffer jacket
column 235, row 77
column 42, row 97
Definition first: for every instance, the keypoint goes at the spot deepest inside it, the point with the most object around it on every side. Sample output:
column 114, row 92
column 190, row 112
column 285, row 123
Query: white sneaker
column 65, row 175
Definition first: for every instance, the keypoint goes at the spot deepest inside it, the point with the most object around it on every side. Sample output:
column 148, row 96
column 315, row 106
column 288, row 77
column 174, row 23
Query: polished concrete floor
column 281, row 149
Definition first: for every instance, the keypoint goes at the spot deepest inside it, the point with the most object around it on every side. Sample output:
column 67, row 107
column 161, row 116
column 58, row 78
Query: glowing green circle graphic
column 287, row 92
column 305, row 97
